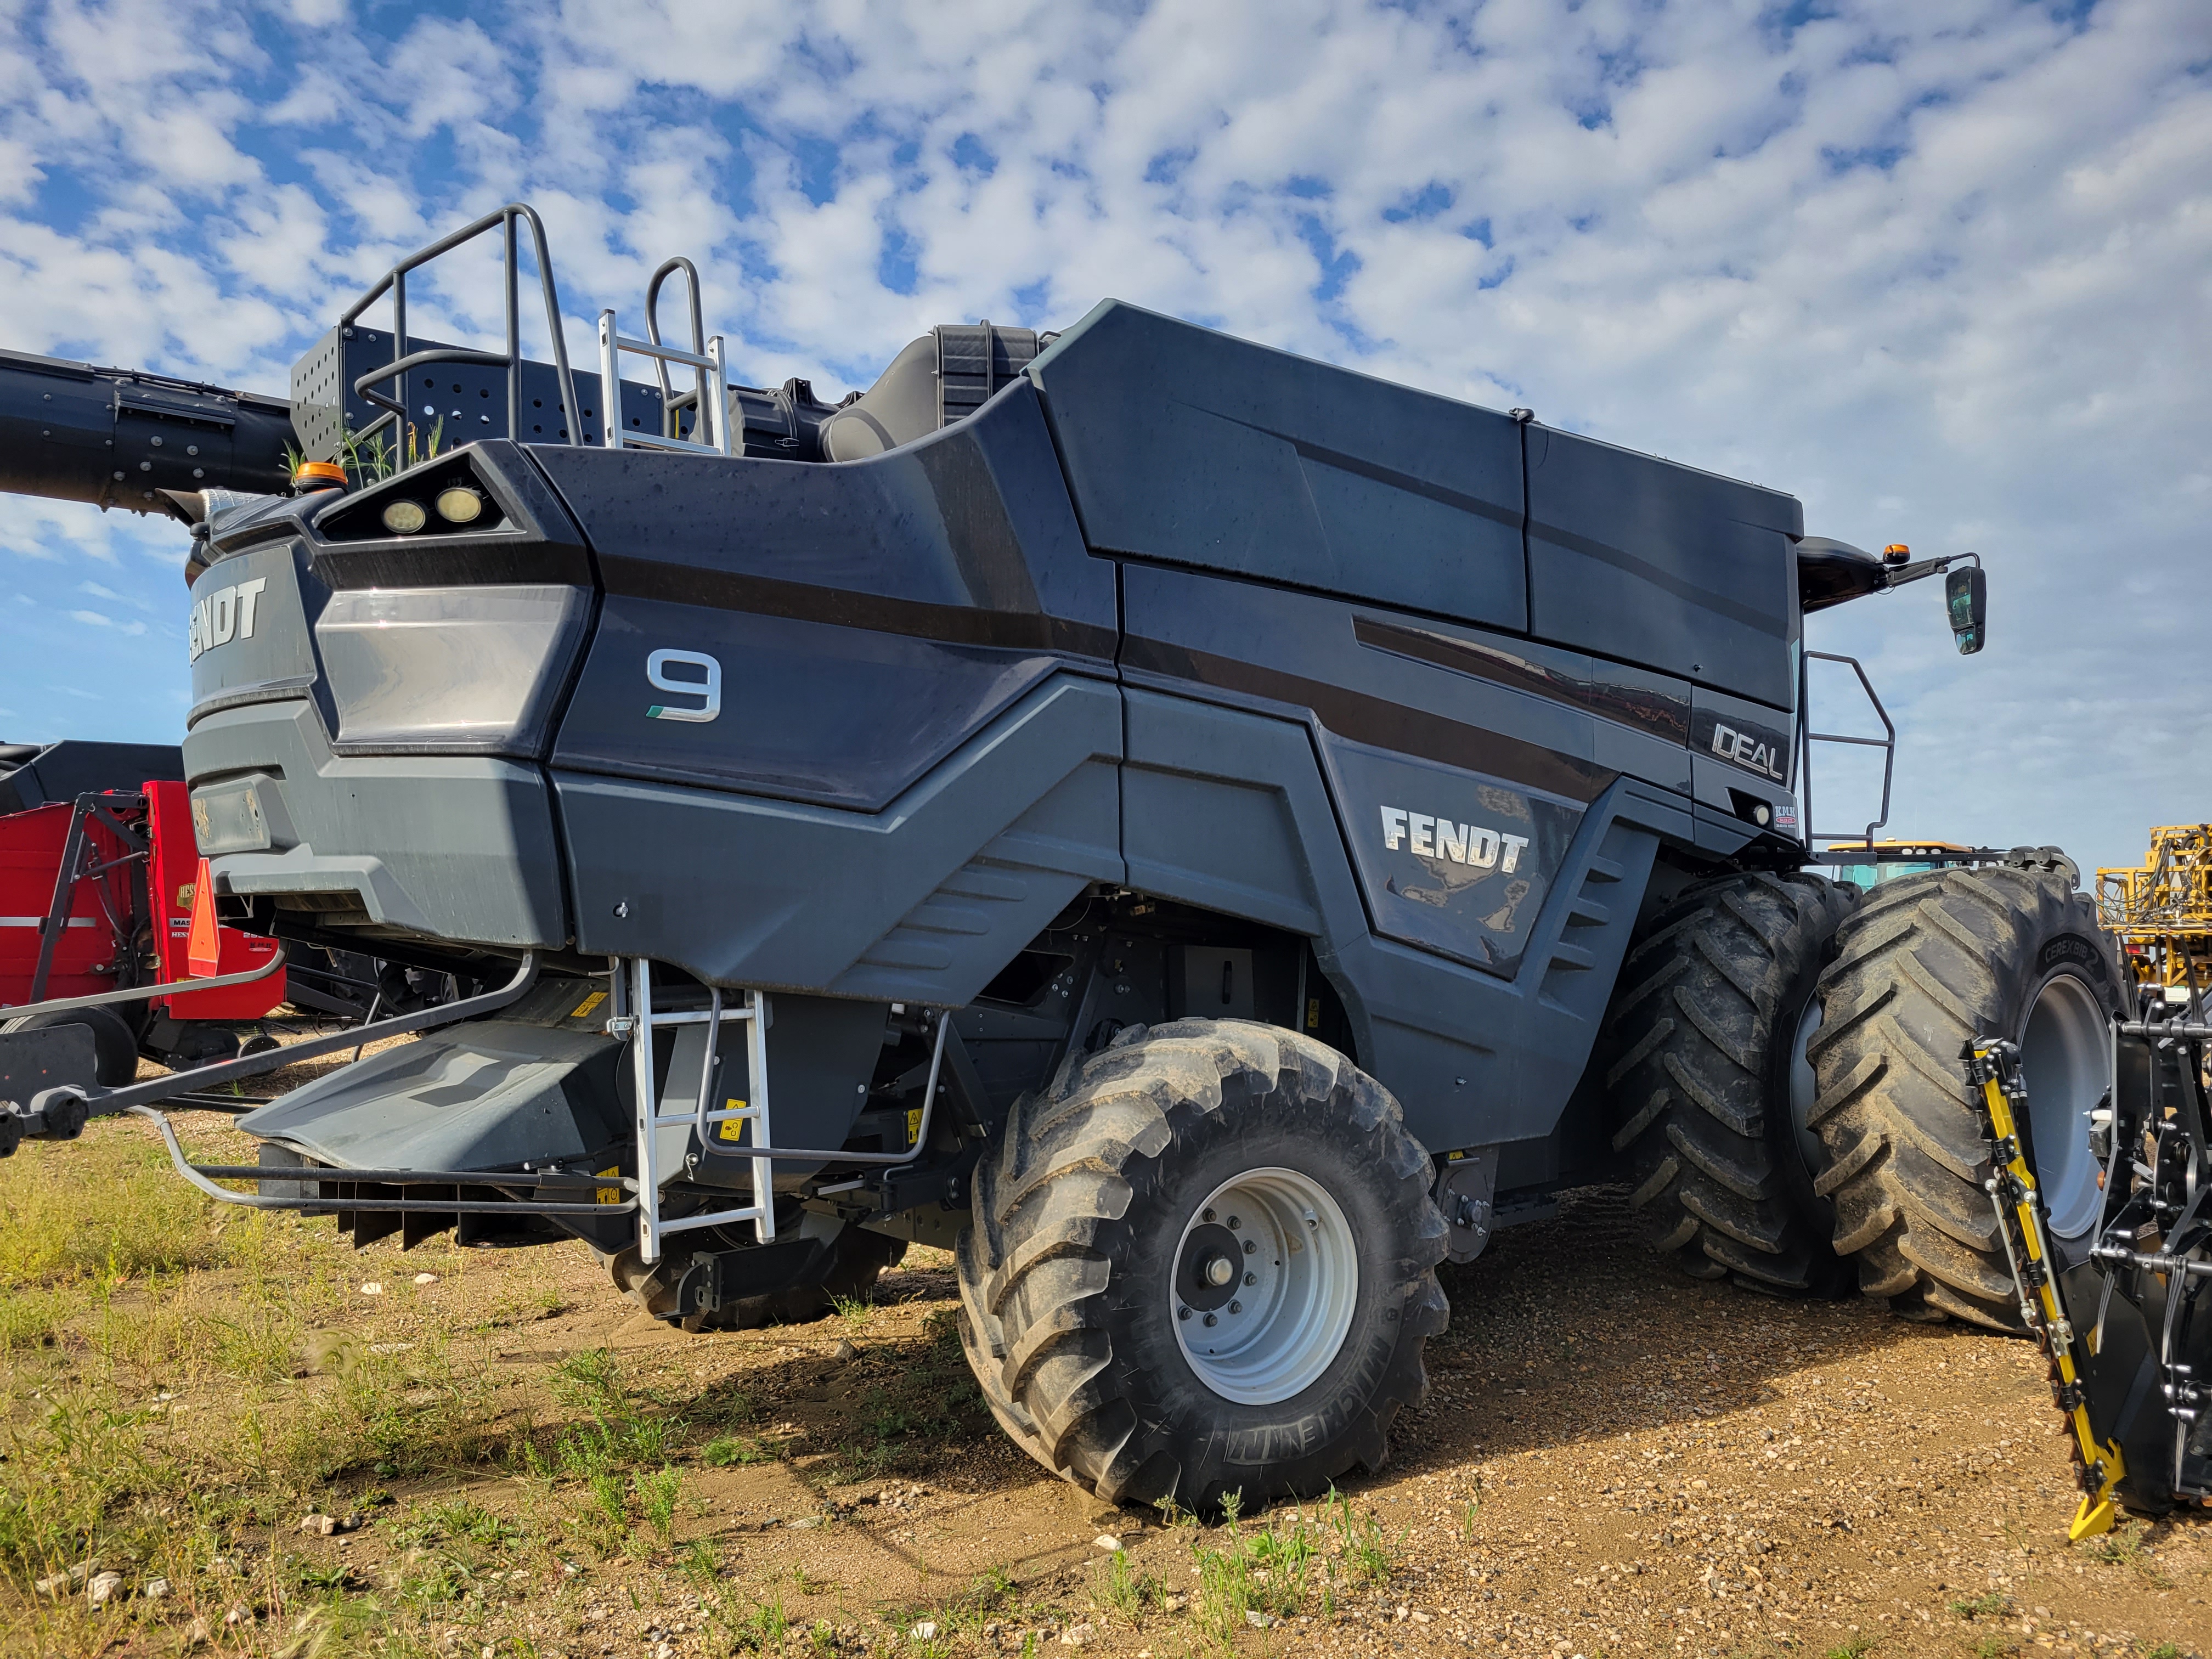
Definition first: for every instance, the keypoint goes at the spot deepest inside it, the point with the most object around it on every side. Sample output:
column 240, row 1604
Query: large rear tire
column 1927, row 962
column 1700, row 1044
column 1202, row 1262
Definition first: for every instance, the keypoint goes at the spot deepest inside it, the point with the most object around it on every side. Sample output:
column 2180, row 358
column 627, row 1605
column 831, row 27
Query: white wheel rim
column 2063, row 1053
column 1290, row 1305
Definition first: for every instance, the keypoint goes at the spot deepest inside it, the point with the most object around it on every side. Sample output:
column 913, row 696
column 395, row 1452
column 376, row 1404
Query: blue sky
column 1939, row 268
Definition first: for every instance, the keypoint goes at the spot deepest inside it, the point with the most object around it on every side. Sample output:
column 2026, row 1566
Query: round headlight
column 460, row 505
column 403, row 516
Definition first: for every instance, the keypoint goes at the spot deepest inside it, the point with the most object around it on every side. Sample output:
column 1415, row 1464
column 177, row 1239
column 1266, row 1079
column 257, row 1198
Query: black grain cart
column 1205, row 835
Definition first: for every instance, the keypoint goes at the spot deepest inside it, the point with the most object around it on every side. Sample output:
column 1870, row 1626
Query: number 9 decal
column 707, row 689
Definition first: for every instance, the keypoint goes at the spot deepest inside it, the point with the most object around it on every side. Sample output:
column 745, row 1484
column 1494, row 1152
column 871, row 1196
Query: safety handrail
column 142, row 993
column 97, row 1102
column 203, row 1176
column 394, row 281
column 1887, row 745
column 671, row 401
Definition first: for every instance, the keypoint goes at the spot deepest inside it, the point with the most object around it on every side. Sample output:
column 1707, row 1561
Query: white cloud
column 1939, row 269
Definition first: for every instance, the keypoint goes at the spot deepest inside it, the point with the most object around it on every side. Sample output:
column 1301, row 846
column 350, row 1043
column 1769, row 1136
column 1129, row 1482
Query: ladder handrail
column 1888, row 744
column 714, row 412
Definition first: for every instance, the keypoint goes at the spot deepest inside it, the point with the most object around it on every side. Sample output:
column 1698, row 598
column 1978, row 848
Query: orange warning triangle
column 203, row 954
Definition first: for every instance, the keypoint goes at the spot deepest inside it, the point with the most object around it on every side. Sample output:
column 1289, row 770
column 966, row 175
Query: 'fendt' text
column 223, row 615
column 1432, row 837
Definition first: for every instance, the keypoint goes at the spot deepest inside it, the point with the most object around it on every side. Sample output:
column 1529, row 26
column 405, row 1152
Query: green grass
column 2123, row 1546
column 727, row 1450
column 1281, row 1571
column 1119, row 1588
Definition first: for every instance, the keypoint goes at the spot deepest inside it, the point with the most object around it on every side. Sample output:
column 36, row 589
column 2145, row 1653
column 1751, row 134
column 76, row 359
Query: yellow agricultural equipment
column 2161, row 912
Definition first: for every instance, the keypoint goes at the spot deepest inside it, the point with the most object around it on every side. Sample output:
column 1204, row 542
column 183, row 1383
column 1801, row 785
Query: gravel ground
column 1612, row 1460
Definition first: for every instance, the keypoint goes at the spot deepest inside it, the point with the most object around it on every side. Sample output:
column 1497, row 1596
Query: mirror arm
column 1912, row 573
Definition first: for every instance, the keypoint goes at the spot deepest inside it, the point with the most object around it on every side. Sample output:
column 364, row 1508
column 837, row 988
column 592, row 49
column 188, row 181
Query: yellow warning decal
column 610, row 1194
column 913, row 1125
column 733, row 1128
column 585, row 1007
column 1313, row 1013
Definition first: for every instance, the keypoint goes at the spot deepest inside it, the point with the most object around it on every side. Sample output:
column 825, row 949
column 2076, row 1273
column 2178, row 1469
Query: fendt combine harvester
column 1206, row 835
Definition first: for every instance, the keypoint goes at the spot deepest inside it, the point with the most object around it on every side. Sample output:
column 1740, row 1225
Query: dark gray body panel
column 491, row 1094
column 42, row 774
column 545, row 1084
column 452, row 847
column 923, row 901
column 869, row 617
column 1182, row 446
column 1188, row 447
column 1662, row 565
column 1472, row 1057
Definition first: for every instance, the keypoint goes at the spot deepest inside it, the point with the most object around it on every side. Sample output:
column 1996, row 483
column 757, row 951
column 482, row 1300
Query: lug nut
column 1234, row 1224
column 1237, row 1307
column 1251, row 1279
column 1182, row 1313
column 1211, row 1320
column 1250, row 1245
column 1206, row 1215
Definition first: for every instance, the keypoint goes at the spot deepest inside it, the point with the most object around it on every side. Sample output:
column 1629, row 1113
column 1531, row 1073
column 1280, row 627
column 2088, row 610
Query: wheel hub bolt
column 1237, row 1307
column 1234, row 1224
column 1206, row 1215
column 1182, row 1313
column 1211, row 1320
column 1251, row 1279
column 1250, row 1245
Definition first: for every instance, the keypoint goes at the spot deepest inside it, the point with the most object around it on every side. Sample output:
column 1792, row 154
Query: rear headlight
column 460, row 505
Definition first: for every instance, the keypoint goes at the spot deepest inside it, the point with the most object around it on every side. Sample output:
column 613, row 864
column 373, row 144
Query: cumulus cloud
column 1938, row 268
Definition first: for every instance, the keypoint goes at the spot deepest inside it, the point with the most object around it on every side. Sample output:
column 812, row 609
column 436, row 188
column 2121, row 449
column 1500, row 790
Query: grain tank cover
column 1663, row 565
column 1188, row 446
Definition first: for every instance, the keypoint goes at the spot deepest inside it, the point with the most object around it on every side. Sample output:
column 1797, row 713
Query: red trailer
column 99, row 884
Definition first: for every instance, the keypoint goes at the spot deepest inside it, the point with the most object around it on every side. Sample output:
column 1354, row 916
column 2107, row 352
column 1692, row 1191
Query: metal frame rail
column 60, row 1112
column 1887, row 745
column 102, row 806
column 395, row 282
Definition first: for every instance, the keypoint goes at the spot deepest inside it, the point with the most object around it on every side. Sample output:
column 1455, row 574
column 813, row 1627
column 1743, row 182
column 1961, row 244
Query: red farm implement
column 100, row 893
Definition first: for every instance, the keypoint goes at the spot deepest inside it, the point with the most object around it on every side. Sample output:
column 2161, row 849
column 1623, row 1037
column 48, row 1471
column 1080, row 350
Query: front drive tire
column 1926, row 963
column 1104, row 1209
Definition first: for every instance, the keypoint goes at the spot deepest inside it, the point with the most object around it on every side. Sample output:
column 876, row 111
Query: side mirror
column 1966, row 597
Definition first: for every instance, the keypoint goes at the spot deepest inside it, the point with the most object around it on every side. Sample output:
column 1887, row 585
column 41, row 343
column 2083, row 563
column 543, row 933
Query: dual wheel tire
column 1202, row 1262
column 1704, row 1049
column 1785, row 1063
